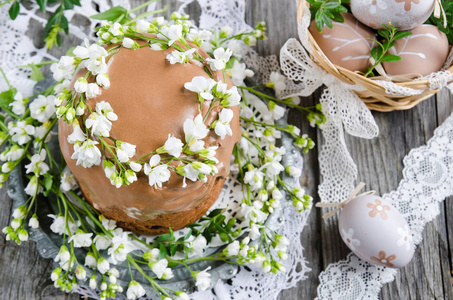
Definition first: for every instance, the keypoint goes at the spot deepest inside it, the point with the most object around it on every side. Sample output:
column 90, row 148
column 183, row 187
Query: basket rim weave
column 375, row 96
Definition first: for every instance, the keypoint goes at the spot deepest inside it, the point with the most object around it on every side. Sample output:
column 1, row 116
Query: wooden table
column 25, row 275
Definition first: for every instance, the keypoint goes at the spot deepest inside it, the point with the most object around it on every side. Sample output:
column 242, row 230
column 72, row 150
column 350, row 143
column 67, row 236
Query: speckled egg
column 404, row 14
column 345, row 44
column 423, row 52
column 376, row 232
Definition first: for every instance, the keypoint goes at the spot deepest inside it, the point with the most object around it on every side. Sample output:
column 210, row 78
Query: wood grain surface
column 25, row 275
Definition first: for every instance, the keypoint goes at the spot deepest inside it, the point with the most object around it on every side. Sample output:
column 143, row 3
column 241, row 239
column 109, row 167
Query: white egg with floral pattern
column 376, row 231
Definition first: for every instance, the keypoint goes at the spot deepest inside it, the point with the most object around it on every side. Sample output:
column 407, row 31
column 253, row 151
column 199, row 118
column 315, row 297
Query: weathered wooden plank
column 24, row 274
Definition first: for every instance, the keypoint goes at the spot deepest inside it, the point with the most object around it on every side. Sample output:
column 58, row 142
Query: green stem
column 148, row 13
column 142, row 6
column 38, row 64
column 304, row 109
column 6, row 79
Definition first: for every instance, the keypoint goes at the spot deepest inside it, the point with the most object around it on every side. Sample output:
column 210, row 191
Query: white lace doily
column 19, row 49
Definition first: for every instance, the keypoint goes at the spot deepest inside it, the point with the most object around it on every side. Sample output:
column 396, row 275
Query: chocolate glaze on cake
column 148, row 95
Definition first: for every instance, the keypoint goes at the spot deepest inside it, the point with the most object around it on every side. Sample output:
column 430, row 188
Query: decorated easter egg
column 376, row 232
column 345, row 44
column 404, row 14
column 423, row 52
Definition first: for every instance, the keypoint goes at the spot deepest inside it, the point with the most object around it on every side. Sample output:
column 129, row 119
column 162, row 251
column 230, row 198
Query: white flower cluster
column 158, row 266
column 16, row 231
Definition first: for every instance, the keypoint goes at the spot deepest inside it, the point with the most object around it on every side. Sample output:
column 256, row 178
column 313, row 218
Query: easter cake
column 163, row 161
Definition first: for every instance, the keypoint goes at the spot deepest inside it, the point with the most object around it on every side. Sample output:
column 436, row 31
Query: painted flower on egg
column 348, row 238
column 379, row 3
column 406, row 238
column 384, row 259
column 408, row 3
column 378, row 208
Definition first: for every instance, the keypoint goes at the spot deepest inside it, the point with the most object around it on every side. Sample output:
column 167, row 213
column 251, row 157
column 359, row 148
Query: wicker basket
column 374, row 96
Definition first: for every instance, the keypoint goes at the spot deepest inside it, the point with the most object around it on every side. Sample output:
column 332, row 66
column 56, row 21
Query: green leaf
column 188, row 235
column 390, row 57
column 112, row 14
column 52, row 21
column 215, row 212
column 341, row 9
column 338, row 17
column 48, row 180
column 7, row 97
column 70, row 51
column 162, row 252
column 67, row 4
column 376, row 53
column 224, row 237
column 402, row 34
column 36, row 74
column 384, row 33
column 14, row 10
column 327, row 21
column 319, row 24
column 42, row 5
column 331, row 5
column 64, row 24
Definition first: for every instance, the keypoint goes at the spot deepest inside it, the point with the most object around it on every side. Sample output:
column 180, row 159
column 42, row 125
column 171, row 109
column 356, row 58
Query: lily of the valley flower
column 68, row 181
column 81, row 85
column 98, row 124
column 180, row 57
column 203, row 280
column 77, row 134
column 103, row 265
column 96, row 61
column 222, row 126
column 221, row 57
column 239, row 72
column 42, row 108
column 18, row 105
column 232, row 98
column 124, row 151
column 172, row 146
column 276, row 82
column 20, row 132
column 87, row 154
column 194, row 130
column 276, row 112
column 33, row 187
column 121, row 246
column 34, row 222
column 157, row 174
column 93, row 90
column 37, row 164
column 130, row 43
column 64, row 68
column 14, row 153
column 199, row 36
column 135, row 290
column 202, row 86
column 103, row 80
column 293, row 171
column 173, row 33
column 160, row 269
column 81, row 239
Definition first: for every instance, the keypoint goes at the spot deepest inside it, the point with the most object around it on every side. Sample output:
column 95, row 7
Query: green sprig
column 324, row 11
column 390, row 34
